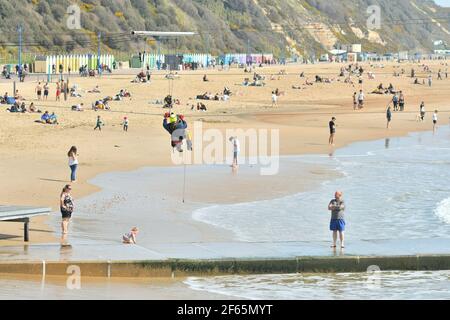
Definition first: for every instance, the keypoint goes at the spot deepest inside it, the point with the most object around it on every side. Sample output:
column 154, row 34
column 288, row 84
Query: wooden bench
column 22, row 214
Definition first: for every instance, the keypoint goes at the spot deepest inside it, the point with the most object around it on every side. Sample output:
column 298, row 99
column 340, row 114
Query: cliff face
column 298, row 26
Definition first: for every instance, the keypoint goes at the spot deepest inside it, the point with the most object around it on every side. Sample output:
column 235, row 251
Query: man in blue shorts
column 337, row 224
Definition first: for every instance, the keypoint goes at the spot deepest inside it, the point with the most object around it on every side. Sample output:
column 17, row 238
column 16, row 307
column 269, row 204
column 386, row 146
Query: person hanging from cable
column 177, row 127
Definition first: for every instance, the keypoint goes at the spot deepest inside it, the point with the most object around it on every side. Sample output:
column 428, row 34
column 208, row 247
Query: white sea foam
column 443, row 210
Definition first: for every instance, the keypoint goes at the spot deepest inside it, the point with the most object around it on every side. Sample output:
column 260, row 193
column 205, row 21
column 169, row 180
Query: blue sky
column 445, row 3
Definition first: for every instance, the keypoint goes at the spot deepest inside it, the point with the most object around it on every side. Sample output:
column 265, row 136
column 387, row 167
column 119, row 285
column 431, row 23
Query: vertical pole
column 184, row 183
column 207, row 50
column 159, row 62
column 26, row 230
column 99, row 37
column 248, row 52
column 20, row 29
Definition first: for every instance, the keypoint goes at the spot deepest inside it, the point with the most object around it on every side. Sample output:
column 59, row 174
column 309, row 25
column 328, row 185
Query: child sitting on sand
column 131, row 237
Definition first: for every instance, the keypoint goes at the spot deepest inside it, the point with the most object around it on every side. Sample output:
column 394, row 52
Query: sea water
column 346, row 286
column 396, row 188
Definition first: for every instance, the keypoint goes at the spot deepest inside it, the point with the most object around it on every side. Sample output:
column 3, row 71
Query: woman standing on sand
column 66, row 205
column 73, row 163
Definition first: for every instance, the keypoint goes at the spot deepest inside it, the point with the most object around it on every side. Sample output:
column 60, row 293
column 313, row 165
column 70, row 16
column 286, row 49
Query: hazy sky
column 445, row 3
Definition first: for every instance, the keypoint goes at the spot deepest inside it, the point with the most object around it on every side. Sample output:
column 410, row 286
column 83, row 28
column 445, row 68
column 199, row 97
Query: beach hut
column 40, row 64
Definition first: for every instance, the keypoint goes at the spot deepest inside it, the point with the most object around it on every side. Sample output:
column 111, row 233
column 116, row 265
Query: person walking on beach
column 430, row 80
column 355, row 102
column 435, row 120
column 125, row 124
column 73, row 163
column 332, row 126
column 236, row 151
column 388, row 116
column 67, row 206
column 337, row 223
column 422, row 111
column 99, row 124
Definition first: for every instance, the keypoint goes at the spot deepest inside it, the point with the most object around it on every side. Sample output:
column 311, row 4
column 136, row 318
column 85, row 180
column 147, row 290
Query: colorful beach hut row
column 243, row 58
column 199, row 58
column 75, row 62
column 152, row 60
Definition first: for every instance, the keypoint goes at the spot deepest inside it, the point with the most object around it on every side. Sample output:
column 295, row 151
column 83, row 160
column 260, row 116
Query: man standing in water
column 236, row 151
column 332, row 126
column 337, row 224
column 435, row 120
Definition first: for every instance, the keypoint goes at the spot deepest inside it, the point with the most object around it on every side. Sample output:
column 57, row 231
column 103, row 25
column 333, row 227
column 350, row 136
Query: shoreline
column 294, row 118
column 91, row 189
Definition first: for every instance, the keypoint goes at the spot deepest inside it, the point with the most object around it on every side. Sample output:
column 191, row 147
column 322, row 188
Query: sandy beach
column 34, row 156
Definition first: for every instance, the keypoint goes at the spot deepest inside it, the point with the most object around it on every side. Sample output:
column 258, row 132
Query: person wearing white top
column 274, row 99
column 73, row 163
column 236, row 150
column 361, row 99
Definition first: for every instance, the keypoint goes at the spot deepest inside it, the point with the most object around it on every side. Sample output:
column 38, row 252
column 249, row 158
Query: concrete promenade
column 203, row 259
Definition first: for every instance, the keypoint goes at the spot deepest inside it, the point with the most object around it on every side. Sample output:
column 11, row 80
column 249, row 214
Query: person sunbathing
column 6, row 74
column 95, row 90
column 15, row 108
column 53, row 119
column 74, row 93
column 78, row 107
column 391, row 89
column 201, row 107
column 33, row 109
column 45, row 118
